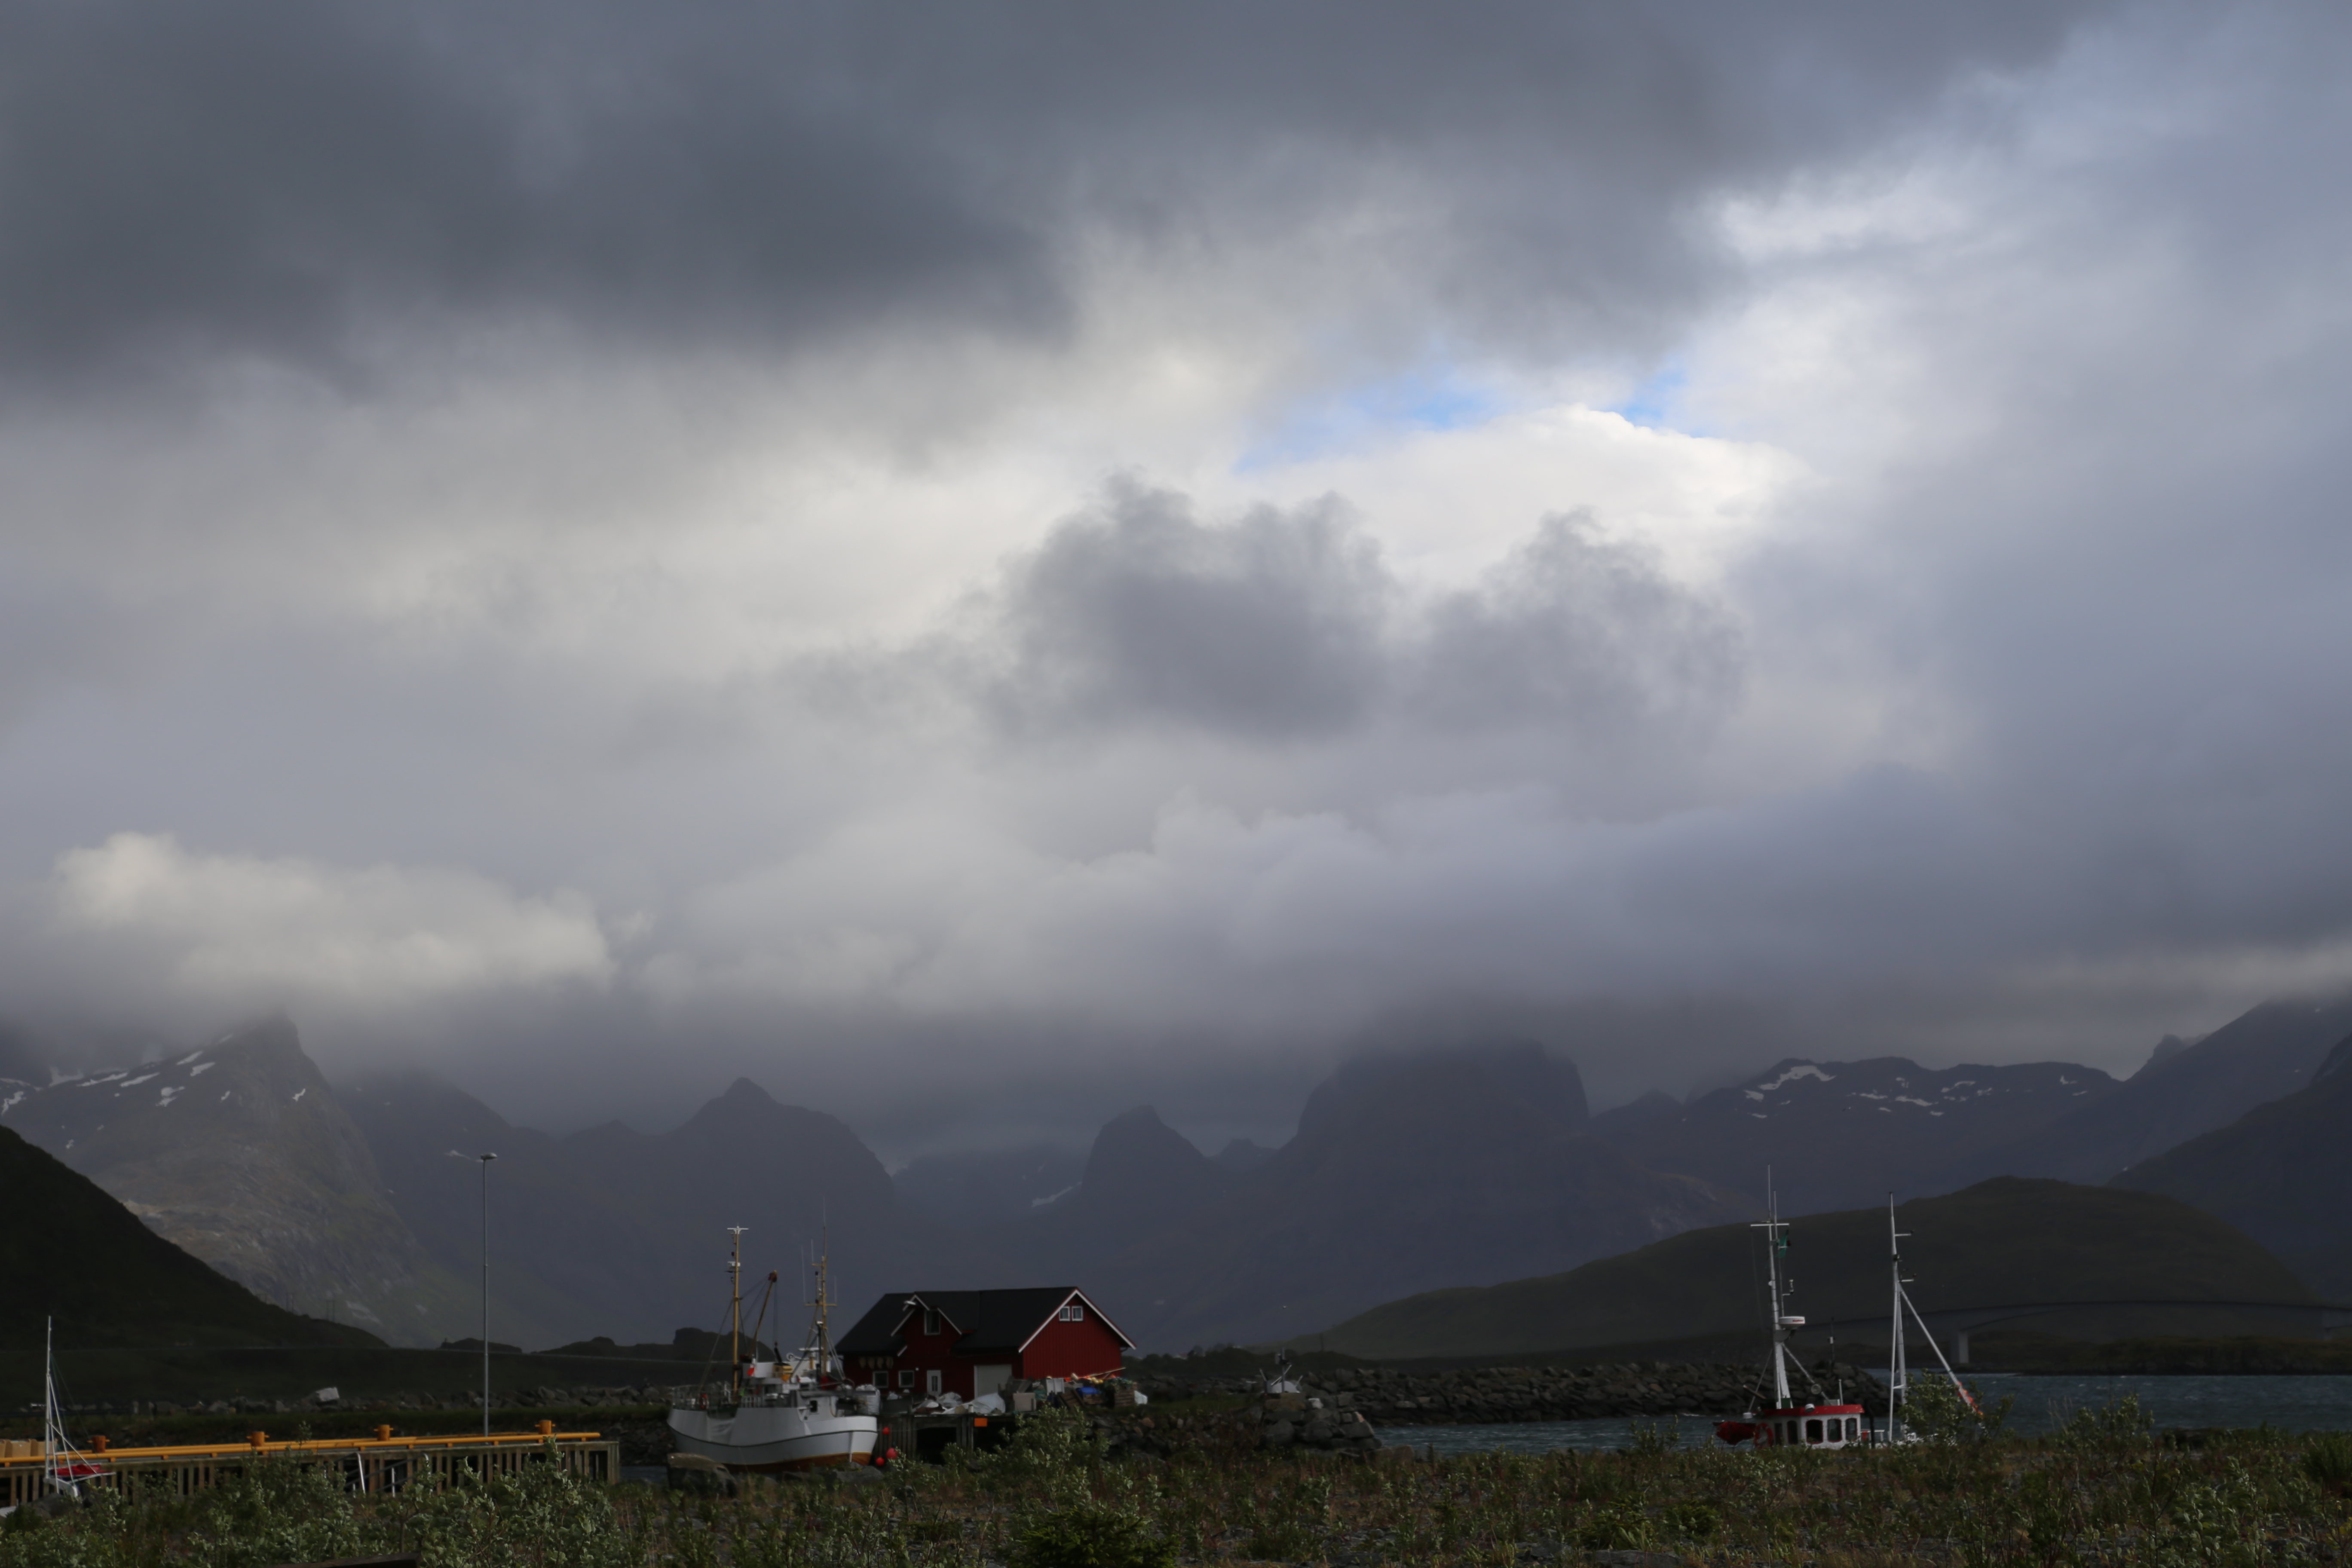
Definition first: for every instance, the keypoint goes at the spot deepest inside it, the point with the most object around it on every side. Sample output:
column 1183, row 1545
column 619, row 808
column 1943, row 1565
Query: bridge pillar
column 1960, row 1348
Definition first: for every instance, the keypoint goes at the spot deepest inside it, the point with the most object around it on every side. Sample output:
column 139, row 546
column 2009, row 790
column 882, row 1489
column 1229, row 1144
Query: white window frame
column 931, row 1322
column 931, row 1380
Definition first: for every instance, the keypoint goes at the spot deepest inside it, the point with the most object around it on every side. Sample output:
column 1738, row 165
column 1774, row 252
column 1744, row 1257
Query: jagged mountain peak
column 1139, row 1160
column 239, row 1152
column 1514, row 1083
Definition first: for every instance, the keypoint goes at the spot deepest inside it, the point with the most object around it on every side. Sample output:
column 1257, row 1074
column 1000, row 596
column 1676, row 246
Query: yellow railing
column 380, row 1462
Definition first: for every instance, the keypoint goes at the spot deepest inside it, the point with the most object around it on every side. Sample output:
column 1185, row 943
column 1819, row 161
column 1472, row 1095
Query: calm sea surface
column 2296, row 1404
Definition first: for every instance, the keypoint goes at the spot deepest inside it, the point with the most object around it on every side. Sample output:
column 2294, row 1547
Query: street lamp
column 486, row 1160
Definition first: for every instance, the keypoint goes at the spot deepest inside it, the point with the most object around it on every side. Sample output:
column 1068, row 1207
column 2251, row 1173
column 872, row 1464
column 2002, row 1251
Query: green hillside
column 69, row 1250
column 2007, row 1240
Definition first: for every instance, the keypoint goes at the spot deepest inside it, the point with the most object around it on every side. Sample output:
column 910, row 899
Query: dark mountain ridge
column 614, row 1232
column 71, row 1252
column 2009, row 1240
column 1407, row 1171
column 2262, row 1054
column 2280, row 1173
column 240, row 1154
column 1837, row 1134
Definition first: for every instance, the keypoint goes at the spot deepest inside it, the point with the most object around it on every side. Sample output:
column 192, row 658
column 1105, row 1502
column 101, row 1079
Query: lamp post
column 486, row 1160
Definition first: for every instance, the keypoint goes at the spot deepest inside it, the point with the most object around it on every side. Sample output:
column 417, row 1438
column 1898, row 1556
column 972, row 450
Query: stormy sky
column 982, row 563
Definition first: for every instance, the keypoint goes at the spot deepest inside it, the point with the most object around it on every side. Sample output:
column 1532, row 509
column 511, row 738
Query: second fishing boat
column 790, row 1413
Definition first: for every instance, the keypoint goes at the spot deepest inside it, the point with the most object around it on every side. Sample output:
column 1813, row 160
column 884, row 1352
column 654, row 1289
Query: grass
column 2105, row 1489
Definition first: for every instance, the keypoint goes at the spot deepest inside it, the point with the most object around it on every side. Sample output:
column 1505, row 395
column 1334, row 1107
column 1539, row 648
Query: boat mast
column 1774, row 1245
column 56, row 1451
column 735, row 1294
column 824, row 1301
column 1897, row 1365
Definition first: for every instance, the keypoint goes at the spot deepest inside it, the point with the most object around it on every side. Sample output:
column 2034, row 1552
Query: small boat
column 64, row 1467
column 790, row 1413
column 1788, row 1421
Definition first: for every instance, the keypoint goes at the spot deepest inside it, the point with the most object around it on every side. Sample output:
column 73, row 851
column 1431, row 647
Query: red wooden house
column 970, row 1342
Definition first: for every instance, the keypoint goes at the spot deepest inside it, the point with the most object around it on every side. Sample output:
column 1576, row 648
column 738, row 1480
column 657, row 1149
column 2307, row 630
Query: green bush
column 1691, row 1521
column 2328, row 1462
column 1087, row 1535
column 1617, row 1528
column 1933, row 1409
column 2119, row 1424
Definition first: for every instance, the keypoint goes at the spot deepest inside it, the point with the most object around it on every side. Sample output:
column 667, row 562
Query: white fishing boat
column 1787, row 1420
column 791, row 1414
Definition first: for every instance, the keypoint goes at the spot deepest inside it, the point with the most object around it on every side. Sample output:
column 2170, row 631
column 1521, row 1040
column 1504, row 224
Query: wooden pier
column 382, row 1463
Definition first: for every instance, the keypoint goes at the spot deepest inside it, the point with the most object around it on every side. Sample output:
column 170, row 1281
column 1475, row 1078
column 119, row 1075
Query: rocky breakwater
column 1313, row 1421
column 1387, row 1396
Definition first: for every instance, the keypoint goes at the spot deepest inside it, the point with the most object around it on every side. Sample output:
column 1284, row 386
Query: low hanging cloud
column 1289, row 626
column 240, row 934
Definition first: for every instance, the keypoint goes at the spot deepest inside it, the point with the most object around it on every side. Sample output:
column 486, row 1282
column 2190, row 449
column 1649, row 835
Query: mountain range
column 1408, row 1173
column 1844, row 1134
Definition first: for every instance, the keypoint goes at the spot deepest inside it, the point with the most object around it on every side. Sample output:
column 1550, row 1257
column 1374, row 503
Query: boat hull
column 774, row 1439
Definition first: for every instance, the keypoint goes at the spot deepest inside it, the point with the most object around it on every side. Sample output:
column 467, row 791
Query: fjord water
column 2320, row 1403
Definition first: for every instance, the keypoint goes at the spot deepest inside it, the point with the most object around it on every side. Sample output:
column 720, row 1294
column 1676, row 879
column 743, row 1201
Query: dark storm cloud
column 1288, row 625
column 305, row 182
column 274, row 180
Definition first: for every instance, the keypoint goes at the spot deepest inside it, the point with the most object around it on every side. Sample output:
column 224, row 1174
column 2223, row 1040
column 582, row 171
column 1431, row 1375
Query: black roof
column 994, row 1322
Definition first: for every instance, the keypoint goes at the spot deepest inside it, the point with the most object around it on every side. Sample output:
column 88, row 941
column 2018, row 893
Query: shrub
column 2328, row 1462
column 1692, row 1521
column 1934, row 1409
column 2119, row 1424
column 1616, row 1529
column 1087, row 1535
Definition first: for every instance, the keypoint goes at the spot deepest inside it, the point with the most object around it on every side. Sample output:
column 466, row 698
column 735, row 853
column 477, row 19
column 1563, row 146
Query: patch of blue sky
column 1364, row 415
column 1657, row 403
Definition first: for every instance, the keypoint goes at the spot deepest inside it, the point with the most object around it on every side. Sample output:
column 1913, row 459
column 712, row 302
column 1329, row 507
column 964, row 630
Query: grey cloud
column 284, row 182
column 1272, row 626
column 1577, row 629
column 308, row 183
column 1289, row 626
